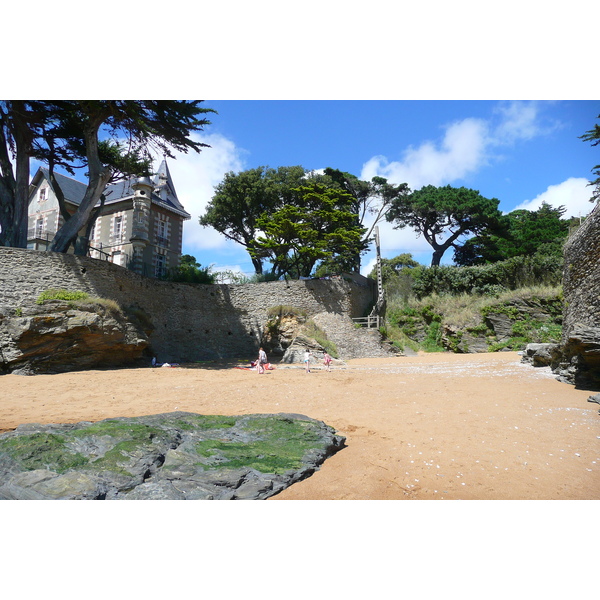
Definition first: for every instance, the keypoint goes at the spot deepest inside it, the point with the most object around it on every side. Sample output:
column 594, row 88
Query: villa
column 140, row 226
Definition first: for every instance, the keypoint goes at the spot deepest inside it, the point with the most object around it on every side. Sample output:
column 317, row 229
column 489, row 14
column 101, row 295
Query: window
column 161, row 234
column 118, row 228
column 160, row 265
column 43, row 194
column 39, row 227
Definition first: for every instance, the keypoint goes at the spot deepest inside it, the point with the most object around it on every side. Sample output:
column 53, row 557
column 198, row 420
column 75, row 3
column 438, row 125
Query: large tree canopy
column 320, row 225
column 541, row 232
column 242, row 198
column 108, row 138
column 444, row 214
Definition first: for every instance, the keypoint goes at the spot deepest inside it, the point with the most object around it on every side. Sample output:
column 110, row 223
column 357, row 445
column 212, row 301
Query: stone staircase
column 351, row 341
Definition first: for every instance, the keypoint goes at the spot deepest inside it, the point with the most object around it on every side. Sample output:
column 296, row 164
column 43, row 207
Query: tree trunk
column 257, row 264
column 99, row 177
column 14, row 189
column 437, row 256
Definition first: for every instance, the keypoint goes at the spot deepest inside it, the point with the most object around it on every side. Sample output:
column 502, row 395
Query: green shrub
column 492, row 279
column 433, row 338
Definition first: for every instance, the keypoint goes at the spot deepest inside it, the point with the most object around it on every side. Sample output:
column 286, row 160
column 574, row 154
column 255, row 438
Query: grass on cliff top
column 76, row 299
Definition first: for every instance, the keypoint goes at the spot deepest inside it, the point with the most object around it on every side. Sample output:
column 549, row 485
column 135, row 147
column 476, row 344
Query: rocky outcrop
column 56, row 337
column 579, row 363
column 172, row 456
column 290, row 335
column 502, row 325
column 540, row 355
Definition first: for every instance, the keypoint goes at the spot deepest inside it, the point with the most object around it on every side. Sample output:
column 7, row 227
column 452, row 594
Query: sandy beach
column 431, row 426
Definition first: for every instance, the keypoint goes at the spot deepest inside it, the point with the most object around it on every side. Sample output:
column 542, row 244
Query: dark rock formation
column 580, row 360
column 172, row 456
column 57, row 337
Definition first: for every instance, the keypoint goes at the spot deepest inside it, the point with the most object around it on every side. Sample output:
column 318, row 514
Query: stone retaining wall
column 191, row 321
column 581, row 279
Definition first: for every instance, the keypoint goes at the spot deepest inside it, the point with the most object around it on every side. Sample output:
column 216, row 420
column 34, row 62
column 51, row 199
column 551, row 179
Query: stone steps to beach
column 352, row 341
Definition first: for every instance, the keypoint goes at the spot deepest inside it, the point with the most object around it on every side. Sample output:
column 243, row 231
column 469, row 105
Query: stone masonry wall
column 192, row 322
column 581, row 279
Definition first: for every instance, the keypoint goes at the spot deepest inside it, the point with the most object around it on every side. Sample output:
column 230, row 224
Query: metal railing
column 40, row 234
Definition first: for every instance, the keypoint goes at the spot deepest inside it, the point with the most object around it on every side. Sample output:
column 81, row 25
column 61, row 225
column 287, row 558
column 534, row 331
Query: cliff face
column 579, row 362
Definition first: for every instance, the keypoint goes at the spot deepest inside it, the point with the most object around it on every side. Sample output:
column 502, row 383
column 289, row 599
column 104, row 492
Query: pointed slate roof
column 72, row 189
column 164, row 191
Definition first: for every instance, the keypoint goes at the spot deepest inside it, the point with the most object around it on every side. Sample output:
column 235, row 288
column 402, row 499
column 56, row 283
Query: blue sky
column 519, row 152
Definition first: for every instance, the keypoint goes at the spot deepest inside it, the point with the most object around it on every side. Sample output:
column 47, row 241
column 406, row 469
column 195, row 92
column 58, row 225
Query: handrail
column 369, row 322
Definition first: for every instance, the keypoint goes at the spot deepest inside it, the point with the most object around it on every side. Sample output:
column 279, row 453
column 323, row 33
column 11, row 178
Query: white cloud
column 519, row 121
column 574, row 194
column 466, row 146
column 461, row 151
column 195, row 176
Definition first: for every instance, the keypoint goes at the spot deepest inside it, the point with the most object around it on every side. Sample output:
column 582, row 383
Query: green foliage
column 190, row 271
column 394, row 267
column 285, row 310
column 316, row 333
column 320, row 226
column 371, row 199
column 491, row 279
column 422, row 320
column 433, row 339
column 80, row 300
column 541, row 233
column 445, row 213
column 242, row 198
